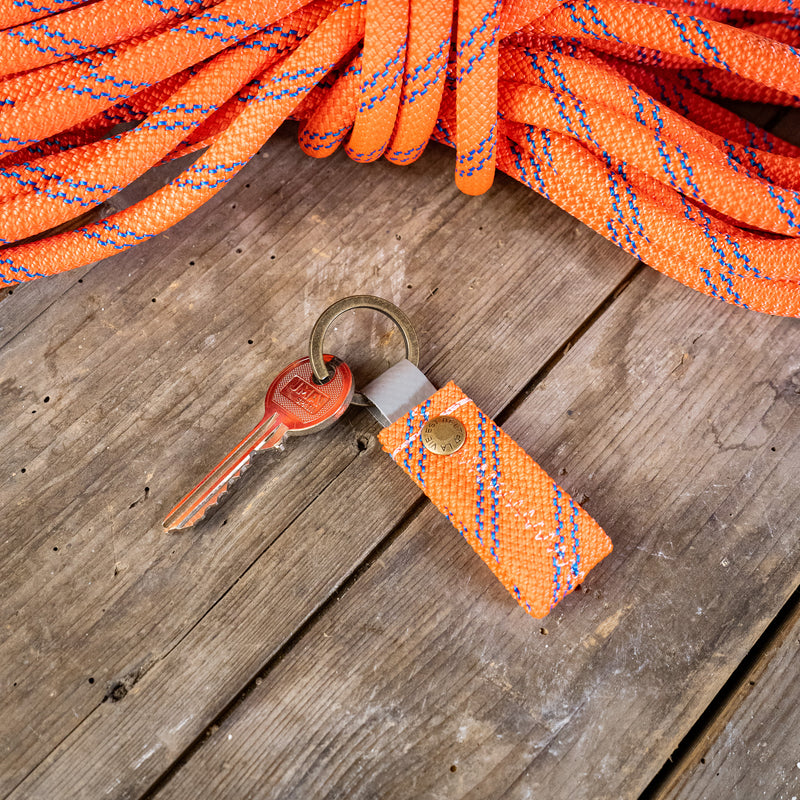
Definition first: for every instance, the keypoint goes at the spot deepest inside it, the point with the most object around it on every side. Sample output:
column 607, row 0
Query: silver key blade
column 294, row 405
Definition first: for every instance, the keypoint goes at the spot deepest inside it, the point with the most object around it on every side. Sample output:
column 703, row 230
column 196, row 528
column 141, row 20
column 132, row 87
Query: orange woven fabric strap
column 535, row 538
column 606, row 107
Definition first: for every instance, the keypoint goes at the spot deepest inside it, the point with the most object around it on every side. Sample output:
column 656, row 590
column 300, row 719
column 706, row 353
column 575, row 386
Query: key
column 295, row 405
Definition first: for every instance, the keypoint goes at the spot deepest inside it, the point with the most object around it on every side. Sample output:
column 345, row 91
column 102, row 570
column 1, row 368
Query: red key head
column 304, row 405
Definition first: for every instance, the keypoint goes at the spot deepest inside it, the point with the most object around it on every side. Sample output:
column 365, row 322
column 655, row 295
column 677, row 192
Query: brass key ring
column 322, row 373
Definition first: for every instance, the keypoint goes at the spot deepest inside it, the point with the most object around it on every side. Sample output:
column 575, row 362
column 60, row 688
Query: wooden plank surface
column 347, row 647
column 756, row 753
column 681, row 421
column 149, row 371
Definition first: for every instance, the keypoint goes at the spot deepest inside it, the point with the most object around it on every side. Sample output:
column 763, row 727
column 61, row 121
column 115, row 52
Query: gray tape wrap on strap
column 395, row 392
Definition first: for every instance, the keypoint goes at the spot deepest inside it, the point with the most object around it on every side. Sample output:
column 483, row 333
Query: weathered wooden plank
column 32, row 301
column 142, row 393
column 681, row 420
column 714, row 724
column 749, row 745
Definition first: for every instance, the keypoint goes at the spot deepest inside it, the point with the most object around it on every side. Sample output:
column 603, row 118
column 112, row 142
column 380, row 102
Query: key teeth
column 210, row 507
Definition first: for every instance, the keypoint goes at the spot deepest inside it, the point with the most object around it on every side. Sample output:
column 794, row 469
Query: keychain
column 535, row 538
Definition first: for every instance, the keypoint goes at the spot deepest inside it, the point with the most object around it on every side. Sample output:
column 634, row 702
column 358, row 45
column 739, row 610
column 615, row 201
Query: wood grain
column 680, row 419
column 150, row 375
column 749, row 746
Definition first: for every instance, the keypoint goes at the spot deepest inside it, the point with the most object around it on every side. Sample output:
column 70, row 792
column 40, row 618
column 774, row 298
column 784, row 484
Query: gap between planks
column 711, row 724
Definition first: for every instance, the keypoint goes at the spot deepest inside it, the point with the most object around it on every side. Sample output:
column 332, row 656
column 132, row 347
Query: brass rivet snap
column 443, row 435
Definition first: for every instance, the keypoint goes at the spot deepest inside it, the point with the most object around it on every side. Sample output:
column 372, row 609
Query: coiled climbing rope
column 610, row 108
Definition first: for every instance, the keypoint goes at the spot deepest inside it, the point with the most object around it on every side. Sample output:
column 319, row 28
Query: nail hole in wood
column 117, row 691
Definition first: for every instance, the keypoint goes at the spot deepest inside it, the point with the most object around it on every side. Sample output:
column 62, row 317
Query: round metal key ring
column 322, row 373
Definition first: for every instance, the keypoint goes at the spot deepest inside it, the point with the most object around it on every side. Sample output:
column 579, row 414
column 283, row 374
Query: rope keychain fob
column 533, row 536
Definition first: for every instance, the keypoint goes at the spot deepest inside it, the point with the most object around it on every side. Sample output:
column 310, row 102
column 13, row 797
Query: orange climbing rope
column 607, row 107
